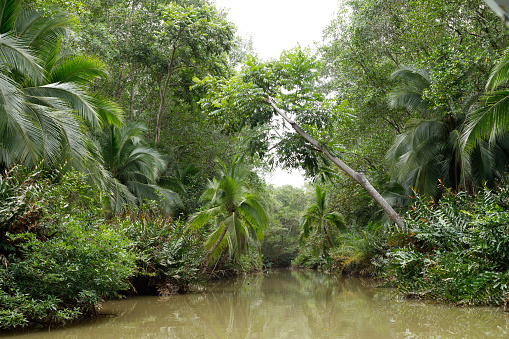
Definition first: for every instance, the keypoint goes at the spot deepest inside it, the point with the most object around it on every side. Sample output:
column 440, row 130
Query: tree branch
column 358, row 177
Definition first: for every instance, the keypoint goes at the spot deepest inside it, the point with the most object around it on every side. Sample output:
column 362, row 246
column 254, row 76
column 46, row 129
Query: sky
column 278, row 25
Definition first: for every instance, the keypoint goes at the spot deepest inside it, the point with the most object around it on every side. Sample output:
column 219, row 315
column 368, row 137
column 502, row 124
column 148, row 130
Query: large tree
column 154, row 49
column 263, row 91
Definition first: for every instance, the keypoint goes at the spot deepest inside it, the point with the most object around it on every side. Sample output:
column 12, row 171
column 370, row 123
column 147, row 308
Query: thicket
column 59, row 257
column 167, row 258
column 458, row 250
column 280, row 244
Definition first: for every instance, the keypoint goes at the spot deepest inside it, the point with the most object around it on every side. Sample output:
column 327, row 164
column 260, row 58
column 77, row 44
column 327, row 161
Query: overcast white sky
column 278, row 25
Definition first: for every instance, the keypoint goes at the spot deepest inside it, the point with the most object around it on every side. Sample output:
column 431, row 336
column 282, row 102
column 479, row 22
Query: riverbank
column 286, row 303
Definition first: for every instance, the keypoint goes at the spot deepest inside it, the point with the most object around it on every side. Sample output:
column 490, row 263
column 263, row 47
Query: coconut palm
column 44, row 102
column 237, row 218
column 431, row 151
column 491, row 119
column 319, row 226
column 134, row 166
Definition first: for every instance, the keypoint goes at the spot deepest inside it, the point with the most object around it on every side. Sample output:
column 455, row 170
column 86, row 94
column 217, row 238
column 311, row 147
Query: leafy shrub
column 358, row 252
column 459, row 249
column 167, row 259
column 307, row 258
column 58, row 258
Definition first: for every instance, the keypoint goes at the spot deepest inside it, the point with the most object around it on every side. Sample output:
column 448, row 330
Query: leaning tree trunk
column 216, row 244
column 358, row 177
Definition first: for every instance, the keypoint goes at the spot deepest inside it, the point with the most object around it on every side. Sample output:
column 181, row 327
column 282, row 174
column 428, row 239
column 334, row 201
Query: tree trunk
column 358, row 177
column 159, row 120
column 121, row 81
column 209, row 253
column 131, row 102
column 225, row 256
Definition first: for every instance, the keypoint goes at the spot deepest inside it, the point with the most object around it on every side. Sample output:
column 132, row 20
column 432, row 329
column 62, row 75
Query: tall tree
column 196, row 36
column 154, row 49
column 245, row 101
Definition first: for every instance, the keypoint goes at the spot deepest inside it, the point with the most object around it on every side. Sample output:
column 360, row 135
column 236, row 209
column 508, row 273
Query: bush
column 307, row 258
column 458, row 250
column 168, row 260
column 359, row 252
column 58, row 258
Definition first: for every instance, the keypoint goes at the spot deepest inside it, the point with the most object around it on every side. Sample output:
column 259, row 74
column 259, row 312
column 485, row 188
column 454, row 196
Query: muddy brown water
column 286, row 304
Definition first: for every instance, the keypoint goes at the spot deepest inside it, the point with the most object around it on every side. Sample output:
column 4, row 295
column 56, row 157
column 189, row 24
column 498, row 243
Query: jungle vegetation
column 135, row 135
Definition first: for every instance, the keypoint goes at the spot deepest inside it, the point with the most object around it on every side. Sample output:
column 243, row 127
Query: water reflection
column 288, row 304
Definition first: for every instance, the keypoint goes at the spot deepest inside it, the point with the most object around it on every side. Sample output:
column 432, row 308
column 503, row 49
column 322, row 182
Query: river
column 286, row 304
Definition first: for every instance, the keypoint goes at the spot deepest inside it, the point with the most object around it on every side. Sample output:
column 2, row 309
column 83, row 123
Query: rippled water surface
column 287, row 304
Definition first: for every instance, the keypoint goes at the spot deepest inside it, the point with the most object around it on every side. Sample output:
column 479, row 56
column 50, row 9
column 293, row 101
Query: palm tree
column 491, row 119
column 134, row 166
column 45, row 110
column 431, row 151
column 236, row 216
column 319, row 226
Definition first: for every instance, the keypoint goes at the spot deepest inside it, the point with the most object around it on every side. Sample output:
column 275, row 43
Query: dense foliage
column 95, row 202
column 458, row 250
column 59, row 258
column 167, row 259
column 281, row 241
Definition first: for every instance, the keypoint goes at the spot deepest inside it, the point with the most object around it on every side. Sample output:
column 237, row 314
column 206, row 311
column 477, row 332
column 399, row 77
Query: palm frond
column 488, row 121
column 410, row 93
column 202, row 217
column 336, row 219
column 41, row 33
column 108, row 111
column 213, row 238
column 9, row 10
column 14, row 53
column 254, row 211
column 78, row 69
column 500, row 73
column 73, row 95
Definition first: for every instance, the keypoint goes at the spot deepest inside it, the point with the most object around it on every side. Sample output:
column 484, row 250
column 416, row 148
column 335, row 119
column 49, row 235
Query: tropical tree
column 134, row 166
column 491, row 120
column 45, row 107
column 286, row 89
column 319, row 226
column 430, row 151
column 236, row 216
